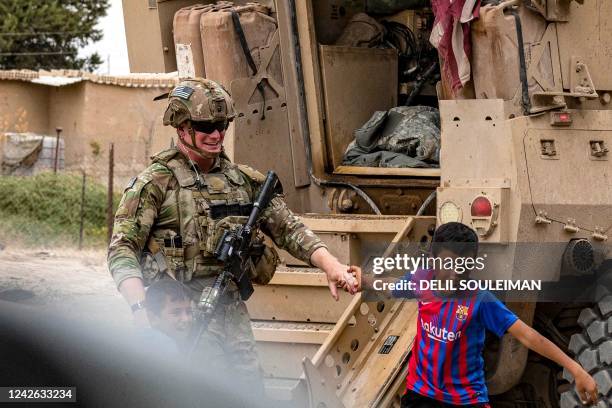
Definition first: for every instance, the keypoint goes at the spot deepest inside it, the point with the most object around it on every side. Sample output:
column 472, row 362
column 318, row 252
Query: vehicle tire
column 593, row 350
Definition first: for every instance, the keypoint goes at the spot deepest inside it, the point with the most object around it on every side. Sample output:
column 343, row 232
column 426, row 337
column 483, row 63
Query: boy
column 168, row 307
column 446, row 367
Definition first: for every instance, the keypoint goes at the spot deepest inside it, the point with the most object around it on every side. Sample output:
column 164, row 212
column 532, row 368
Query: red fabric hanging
column 451, row 36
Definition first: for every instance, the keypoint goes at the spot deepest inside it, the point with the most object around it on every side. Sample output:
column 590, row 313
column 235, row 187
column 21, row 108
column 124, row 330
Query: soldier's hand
column 333, row 281
column 338, row 275
column 355, row 272
column 348, row 280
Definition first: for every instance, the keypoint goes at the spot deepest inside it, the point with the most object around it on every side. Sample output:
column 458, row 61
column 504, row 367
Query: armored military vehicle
column 526, row 125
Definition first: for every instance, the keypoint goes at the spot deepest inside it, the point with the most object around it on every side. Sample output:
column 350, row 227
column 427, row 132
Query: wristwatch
column 138, row 306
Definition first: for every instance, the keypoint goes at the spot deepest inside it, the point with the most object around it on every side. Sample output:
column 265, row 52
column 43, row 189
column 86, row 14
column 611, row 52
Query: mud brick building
column 93, row 111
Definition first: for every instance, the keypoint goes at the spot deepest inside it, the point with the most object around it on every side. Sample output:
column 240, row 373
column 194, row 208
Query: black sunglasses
column 209, row 127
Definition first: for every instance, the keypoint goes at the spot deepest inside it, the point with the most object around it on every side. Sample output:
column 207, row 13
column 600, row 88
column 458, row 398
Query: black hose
column 395, row 32
column 426, row 203
column 420, row 83
column 525, row 101
column 359, row 191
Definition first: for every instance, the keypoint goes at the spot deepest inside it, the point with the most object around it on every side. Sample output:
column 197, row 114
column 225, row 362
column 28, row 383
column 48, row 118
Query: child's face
column 174, row 319
column 445, row 273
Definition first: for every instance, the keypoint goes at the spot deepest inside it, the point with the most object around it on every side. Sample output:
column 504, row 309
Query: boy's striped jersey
column 446, row 362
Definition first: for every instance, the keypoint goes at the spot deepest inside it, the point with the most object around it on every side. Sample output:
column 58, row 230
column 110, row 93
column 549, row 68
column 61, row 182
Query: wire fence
column 25, row 34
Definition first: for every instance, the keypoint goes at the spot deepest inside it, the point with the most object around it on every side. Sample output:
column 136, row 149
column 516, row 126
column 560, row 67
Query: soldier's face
column 175, row 318
column 209, row 142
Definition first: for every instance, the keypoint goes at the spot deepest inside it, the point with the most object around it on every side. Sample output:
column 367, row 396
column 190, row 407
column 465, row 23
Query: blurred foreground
column 65, row 324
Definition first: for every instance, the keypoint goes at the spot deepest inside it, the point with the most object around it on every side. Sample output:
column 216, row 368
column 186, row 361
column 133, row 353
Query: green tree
column 47, row 34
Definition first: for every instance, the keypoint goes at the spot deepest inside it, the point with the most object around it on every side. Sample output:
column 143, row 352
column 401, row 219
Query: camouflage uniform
column 169, row 199
column 405, row 136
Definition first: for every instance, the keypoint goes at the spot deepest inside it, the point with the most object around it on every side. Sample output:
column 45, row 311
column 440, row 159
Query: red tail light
column 481, row 207
column 564, row 117
column 560, row 119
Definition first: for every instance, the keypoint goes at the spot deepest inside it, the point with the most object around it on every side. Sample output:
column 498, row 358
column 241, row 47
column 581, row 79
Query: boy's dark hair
column 455, row 237
column 155, row 297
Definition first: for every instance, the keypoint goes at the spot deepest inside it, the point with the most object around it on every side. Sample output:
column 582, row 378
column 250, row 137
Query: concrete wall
column 63, row 110
column 127, row 117
column 92, row 116
column 23, row 107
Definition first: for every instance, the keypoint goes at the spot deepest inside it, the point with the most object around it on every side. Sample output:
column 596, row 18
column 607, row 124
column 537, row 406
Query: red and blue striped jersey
column 446, row 362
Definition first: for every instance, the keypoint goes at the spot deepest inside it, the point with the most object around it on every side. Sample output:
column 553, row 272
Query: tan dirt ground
column 74, row 283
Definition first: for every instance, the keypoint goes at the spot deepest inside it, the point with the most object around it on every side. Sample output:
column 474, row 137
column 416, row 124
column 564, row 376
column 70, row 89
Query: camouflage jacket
column 183, row 214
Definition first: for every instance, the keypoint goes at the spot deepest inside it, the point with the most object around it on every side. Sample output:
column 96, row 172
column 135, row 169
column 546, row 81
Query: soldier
column 172, row 215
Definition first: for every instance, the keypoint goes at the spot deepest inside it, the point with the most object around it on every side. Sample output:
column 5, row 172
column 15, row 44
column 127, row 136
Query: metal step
column 283, row 345
column 344, row 234
column 280, row 389
column 291, row 332
column 341, row 244
column 298, row 295
column 292, row 275
column 385, row 224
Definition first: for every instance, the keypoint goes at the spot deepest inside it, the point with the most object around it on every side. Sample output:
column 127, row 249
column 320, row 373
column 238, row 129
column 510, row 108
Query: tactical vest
column 203, row 207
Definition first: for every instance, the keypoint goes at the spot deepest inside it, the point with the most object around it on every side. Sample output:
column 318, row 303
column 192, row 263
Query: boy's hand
column 585, row 384
column 355, row 272
column 351, row 280
column 586, row 387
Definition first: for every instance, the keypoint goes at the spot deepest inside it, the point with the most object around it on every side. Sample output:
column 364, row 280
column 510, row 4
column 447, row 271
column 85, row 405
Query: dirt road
column 73, row 283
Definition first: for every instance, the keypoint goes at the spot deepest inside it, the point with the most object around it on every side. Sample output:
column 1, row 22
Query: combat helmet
column 200, row 100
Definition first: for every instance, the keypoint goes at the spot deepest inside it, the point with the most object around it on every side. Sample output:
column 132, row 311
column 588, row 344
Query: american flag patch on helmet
column 183, row 92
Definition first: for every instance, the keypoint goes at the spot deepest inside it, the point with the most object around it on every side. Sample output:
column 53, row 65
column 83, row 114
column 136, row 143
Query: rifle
column 233, row 250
